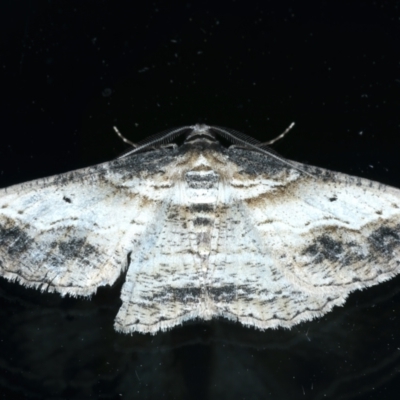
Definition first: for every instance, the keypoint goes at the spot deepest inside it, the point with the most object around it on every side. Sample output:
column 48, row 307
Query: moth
column 215, row 225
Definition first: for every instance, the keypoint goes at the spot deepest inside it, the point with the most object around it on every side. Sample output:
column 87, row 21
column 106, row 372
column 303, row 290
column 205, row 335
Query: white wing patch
column 204, row 231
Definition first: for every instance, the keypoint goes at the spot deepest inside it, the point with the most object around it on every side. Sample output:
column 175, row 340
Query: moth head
column 200, row 131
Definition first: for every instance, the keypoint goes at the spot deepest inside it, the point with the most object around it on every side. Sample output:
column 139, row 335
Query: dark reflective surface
column 67, row 348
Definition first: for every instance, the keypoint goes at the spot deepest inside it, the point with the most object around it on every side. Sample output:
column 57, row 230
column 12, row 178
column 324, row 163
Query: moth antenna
column 281, row 136
column 124, row 139
column 233, row 135
column 159, row 138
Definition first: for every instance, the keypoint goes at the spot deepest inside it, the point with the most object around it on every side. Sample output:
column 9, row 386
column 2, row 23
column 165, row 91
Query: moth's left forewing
column 72, row 232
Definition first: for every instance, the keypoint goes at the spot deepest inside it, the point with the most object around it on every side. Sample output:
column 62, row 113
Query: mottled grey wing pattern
column 314, row 240
column 163, row 285
column 72, row 233
column 205, row 231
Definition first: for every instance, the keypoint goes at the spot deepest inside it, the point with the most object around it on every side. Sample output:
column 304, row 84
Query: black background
column 71, row 70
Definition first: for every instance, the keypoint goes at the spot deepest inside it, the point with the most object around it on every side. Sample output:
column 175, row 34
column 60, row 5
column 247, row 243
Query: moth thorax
column 202, row 179
column 202, row 186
